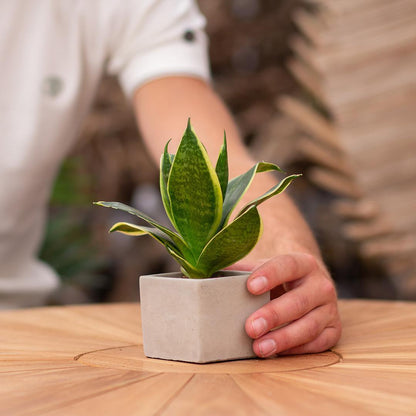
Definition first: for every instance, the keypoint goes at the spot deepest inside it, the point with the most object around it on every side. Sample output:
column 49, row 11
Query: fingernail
column 267, row 347
column 257, row 284
column 259, row 326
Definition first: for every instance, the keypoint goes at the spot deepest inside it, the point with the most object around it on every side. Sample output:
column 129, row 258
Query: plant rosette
column 201, row 318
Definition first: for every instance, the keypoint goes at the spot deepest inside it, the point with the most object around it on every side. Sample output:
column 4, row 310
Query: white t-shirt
column 52, row 54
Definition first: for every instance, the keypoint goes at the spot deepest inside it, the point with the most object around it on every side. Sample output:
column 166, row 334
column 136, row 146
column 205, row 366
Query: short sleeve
column 157, row 38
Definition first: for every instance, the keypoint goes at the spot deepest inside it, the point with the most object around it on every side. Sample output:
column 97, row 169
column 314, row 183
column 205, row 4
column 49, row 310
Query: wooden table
column 88, row 360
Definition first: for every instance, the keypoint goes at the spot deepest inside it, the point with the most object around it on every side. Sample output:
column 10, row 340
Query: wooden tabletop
column 88, row 360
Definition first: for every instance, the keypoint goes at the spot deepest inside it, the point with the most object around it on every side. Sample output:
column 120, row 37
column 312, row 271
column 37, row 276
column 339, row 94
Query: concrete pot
column 197, row 320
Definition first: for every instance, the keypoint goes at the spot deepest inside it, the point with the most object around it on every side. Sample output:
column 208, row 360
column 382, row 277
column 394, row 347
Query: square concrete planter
column 197, row 320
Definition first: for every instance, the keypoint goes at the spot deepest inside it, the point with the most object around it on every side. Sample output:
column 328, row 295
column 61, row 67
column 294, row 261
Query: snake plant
column 199, row 201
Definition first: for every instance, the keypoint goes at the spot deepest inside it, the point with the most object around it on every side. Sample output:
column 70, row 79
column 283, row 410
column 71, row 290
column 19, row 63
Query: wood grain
column 132, row 358
column 42, row 370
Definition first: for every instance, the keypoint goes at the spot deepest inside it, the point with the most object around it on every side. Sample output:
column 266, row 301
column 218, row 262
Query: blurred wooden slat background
column 357, row 60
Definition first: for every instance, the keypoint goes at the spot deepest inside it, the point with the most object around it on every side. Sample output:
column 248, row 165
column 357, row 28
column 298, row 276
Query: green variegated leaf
column 239, row 185
column 221, row 168
column 199, row 200
column 138, row 230
column 232, row 243
column 280, row 187
column 165, row 166
column 177, row 240
column 194, row 192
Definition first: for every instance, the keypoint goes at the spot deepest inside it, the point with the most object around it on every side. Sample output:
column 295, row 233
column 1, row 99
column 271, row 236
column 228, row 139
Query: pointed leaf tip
column 221, row 168
column 277, row 189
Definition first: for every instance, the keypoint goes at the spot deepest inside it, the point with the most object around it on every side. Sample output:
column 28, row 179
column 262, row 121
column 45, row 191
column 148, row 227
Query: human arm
column 287, row 254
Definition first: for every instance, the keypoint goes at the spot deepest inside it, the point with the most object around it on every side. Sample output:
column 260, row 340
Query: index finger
column 279, row 270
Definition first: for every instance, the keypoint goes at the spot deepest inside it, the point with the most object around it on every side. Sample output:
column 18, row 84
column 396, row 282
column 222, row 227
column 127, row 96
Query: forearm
column 164, row 106
column 284, row 230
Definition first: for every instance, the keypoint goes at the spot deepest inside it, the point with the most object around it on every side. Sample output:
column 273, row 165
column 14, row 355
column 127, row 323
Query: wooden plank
column 391, row 246
column 399, row 204
column 365, row 230
column 391, row 133
column 404, row 284
column 307, row 78
column 372, row 147
column 323, row 156
column 395, row 104
column 359, row 52
column 305, row 52
column 145, row 397
column 28, row 365
column 403, row 272
column 332, row 182
column 385, row 174
column 372, row 79
column 341, row 52
column 361, row 21
column 311, row 24
column 280, row 396
column 347, row 8
column 310, row 121
column 73, row 331
column 362, row 209
column 49, row 390
column 347, row 389
column 277, row 141
column 207, row 394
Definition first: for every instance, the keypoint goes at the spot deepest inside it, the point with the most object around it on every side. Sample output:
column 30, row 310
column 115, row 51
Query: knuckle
column 335, row 312
column 300, row 305
column 274, row 316
column 314, row 329
column 328, row 289
column 292, row 265
column 336, row 334
column 329, row 337
column 286, row 267
column 323, row 343
column 313, row 262
column 332, row 311
column 327, row 340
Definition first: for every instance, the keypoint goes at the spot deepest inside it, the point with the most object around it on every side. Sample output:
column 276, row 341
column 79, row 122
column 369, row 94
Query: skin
column 302, row 316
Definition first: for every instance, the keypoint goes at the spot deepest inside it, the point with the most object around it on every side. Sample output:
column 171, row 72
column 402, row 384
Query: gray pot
column 197, row 320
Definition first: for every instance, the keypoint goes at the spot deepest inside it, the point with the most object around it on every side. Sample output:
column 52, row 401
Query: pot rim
column 224, row 274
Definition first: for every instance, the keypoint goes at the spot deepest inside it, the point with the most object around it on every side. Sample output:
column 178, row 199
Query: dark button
column 189, row 35
column 52, row 85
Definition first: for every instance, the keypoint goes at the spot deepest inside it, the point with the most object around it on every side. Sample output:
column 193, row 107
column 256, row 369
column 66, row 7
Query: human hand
column 302, row 316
